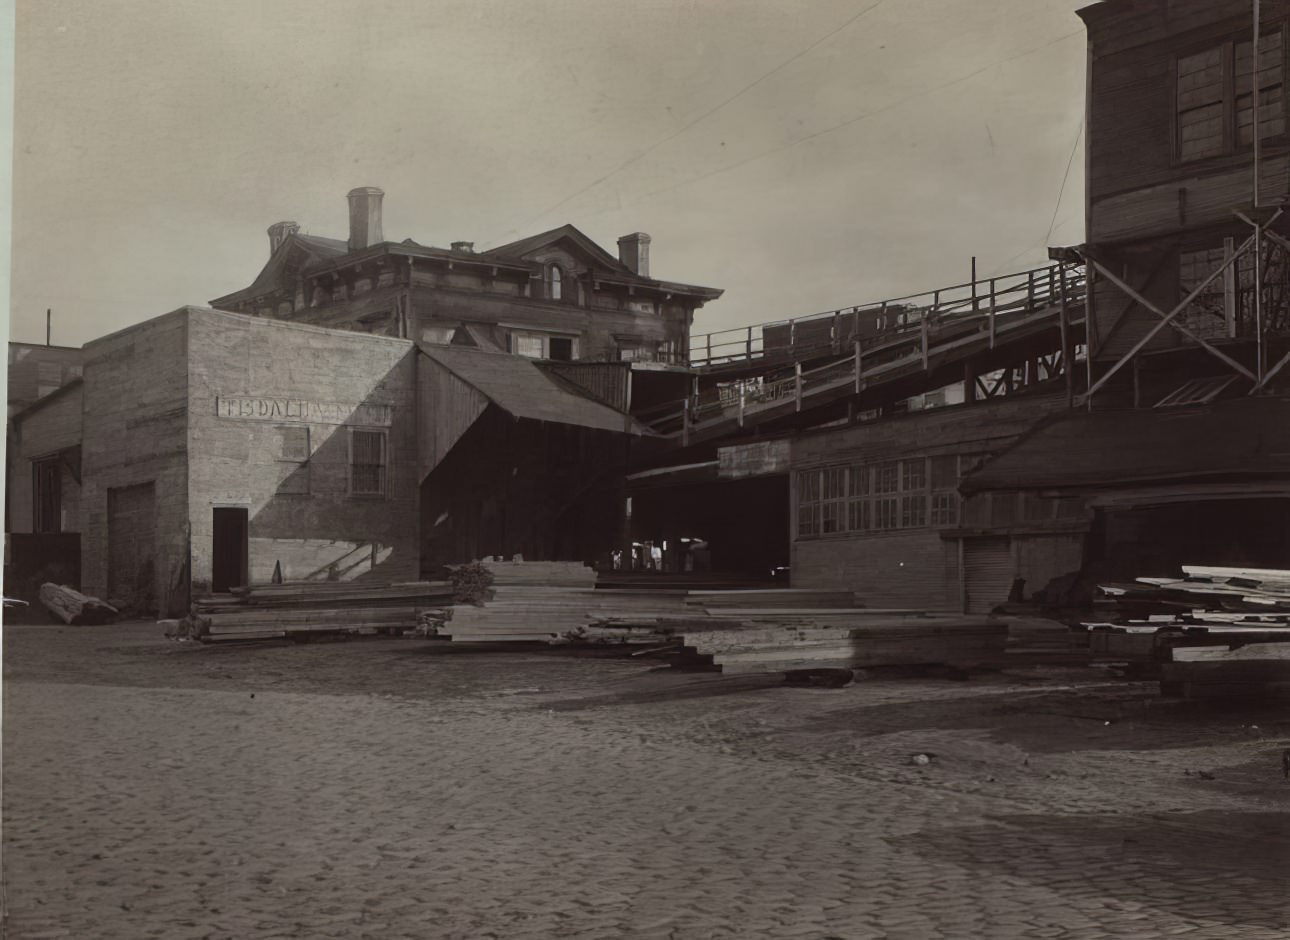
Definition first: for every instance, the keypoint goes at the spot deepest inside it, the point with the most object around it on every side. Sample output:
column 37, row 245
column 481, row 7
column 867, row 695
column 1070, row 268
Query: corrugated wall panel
column 989, row 568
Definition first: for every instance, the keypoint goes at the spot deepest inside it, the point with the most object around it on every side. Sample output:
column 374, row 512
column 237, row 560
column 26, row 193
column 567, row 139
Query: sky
column 803, row 156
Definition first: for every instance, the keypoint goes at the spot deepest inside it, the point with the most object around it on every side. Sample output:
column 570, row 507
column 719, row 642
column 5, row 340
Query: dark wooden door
column 230, row 556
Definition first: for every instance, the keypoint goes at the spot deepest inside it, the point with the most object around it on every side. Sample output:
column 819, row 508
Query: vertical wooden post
column 741, row 404
column 992, row 306
column 1063, row 315
column 859, row 367
column 797, row 386
column 749, row 342
column 1030, row 291
column 923, row 338
column 1229, row 287
column 836, row 344
column 627, row 407
column 709, row 359
column 1090, row 327
column 685, row 423
column 975, row 302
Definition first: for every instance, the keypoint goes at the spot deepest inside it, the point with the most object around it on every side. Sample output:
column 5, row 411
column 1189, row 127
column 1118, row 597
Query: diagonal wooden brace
column 1167, row 319
column 1262, row 383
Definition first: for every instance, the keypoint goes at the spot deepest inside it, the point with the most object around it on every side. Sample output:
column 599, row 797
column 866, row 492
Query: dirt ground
column 398, row 787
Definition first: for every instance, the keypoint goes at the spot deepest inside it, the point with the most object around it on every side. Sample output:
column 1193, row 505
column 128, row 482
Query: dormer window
column 554, row 282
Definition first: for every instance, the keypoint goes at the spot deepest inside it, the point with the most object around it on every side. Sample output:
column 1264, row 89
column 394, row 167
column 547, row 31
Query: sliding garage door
column 989, row 570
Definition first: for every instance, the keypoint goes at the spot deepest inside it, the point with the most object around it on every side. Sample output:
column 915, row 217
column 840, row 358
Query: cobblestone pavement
column 385, row 789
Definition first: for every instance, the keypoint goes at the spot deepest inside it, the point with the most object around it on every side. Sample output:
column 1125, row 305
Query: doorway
column 230, row 559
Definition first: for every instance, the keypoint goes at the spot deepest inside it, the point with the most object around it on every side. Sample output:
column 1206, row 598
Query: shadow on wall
column 333, row 494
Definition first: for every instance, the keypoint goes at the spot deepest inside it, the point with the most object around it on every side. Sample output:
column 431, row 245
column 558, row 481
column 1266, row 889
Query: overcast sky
column 801, row 155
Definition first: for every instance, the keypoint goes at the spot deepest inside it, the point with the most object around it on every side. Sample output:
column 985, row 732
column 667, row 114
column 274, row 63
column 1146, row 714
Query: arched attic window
column 556, row 288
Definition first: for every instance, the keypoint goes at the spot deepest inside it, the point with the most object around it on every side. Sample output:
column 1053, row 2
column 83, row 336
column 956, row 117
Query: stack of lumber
column 298, row 610
column 762, row 630
column 1150, row 619
column 786, row 639
column 539, row 614
column 782, row 630
column 1228, row 671
column 540, row 573
column 71, row 606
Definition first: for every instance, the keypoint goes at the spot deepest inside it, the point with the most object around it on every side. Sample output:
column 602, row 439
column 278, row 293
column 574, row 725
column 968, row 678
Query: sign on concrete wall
column 752, row 460
column 304, row 409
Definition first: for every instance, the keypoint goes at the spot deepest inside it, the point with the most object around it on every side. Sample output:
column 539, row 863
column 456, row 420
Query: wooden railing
column 918, row 341
column 836, row 331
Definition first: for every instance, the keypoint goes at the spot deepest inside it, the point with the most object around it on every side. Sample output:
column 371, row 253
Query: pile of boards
column 783, row 630
column 773, row 630
column 302, row 609
column 1213, row 632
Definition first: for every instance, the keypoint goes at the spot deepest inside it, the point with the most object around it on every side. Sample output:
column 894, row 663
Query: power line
column 855, row 120
column 706, row 114
column 1057, row 208
column 1065, row 176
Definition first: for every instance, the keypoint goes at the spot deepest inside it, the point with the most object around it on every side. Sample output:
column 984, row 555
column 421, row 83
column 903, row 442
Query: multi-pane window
column 808, row 503
column 367, row 462
column 1215, row 96
column 944, row 488
column 834, row 500
column 1272, row 118
column 544, row 346
column 896, row 494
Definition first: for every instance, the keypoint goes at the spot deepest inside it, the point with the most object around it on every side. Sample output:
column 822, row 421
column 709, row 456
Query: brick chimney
column 365, row 217
column 279, row 232
column 633, row 251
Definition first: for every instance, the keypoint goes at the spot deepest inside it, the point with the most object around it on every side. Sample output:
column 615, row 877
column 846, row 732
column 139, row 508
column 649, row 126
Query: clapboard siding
column 1132, row 109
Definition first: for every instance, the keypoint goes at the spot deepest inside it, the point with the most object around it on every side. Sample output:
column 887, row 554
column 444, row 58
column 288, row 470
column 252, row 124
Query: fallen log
column 74, row 607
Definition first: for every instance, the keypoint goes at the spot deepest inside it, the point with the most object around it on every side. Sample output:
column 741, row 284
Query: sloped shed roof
column 1244, row 438
column 520, row 387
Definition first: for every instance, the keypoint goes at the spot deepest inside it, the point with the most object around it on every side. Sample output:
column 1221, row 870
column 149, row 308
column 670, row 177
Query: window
column 834, row 500
column 808, row 503
column 47, row 495
column 944, row 487
column 367, row 462
column 544, row 346
column 557, row 284
column 560, row 348
column 865, row 498
column 1206, row 315
column 293, row 457
column 1215, row 99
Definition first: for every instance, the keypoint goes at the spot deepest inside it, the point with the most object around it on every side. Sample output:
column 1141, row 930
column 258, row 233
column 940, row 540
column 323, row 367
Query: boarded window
column 293, row 459
column 367, row 463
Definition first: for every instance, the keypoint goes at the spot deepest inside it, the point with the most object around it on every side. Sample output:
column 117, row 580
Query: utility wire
column 706, row 114
column 1065, row 176
column 1060, row 193
column 861, row 117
